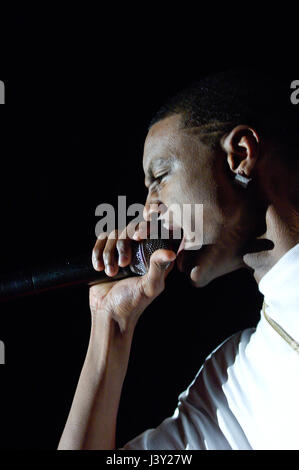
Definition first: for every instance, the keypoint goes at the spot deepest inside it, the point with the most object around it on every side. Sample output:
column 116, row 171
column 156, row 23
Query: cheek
column 202, row 192
column 183, row 190
column 212, row 225
column 178, row 193
column 205, row 193
column 173, row 192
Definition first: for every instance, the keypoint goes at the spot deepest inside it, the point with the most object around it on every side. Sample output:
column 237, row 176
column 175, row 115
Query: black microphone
column 77, row 270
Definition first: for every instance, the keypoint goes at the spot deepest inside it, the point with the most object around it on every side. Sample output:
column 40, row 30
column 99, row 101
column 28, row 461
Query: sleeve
column 195, row 422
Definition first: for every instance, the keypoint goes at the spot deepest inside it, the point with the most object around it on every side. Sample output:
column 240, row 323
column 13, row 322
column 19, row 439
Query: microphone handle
column 73, row 271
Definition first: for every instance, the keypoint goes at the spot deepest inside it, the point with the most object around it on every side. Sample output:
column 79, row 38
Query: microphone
column 77, row 270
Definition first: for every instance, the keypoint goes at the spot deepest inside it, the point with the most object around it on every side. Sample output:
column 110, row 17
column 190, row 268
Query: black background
column 80, row 91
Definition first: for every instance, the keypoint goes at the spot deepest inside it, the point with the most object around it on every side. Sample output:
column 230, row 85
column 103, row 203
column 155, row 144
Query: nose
column 153, row 207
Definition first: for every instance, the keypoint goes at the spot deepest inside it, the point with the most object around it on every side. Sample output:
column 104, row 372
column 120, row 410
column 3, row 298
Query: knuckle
column 113, row 235
column 133, row 229
column 102, row 236
column 121, row 246
column 143, row 226
column 124, row 234
column 158, row 266
column 99, row 243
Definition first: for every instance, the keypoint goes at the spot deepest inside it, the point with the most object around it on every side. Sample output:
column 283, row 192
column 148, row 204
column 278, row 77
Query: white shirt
column 246, row 394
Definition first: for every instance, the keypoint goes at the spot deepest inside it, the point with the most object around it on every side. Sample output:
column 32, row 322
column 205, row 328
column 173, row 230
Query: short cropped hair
column 221, row 101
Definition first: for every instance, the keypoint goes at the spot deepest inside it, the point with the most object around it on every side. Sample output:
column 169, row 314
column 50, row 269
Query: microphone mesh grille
column 142, row 251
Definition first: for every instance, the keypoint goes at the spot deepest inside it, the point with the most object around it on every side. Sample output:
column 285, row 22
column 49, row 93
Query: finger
column 135, row 231
column 124, row 251
column 142, row 231
column 109, row 254
column 124, row 248
column 161, row 263
column 97, row 252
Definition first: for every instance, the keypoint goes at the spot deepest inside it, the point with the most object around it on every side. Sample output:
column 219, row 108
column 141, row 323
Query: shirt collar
column 280, row 287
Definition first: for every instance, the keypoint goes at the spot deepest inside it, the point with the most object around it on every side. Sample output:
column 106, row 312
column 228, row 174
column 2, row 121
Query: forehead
column 163, row 139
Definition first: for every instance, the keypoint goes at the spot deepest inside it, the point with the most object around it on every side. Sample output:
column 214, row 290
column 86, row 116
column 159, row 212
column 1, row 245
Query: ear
column 242, row 148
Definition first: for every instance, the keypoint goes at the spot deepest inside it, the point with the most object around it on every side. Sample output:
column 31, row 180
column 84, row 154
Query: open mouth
column 176, row 234
column 257, row 245
column 187, row 258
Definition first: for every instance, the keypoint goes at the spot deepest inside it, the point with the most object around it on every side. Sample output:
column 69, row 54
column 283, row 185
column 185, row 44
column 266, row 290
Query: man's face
column 180, row 169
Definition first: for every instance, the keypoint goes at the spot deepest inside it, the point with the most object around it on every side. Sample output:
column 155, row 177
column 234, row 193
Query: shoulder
column 207, row 384
column 204, row 406
column 195, row 421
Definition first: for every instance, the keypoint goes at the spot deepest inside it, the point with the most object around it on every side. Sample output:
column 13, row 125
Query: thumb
column 161, row 263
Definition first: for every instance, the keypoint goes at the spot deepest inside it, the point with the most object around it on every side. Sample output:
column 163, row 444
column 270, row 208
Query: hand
column 125, row 300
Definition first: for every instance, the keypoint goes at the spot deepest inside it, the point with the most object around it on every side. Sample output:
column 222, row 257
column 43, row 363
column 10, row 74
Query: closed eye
column 152, row 181
column 158, row 179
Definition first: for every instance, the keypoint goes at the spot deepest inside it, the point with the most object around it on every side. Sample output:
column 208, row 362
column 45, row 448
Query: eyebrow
column 159, row 161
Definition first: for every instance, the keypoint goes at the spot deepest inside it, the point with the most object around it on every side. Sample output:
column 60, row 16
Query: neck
column 281, row 296
column 282, row 220
column 283, row 230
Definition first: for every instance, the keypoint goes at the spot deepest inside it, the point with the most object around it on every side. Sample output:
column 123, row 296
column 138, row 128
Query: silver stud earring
column 242, row 179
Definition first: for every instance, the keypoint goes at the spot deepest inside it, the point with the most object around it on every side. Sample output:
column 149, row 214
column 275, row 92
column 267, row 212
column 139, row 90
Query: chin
column 256, row 261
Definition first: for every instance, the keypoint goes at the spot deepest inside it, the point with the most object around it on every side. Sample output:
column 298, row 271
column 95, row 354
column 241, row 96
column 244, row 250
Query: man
column 228, row 144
